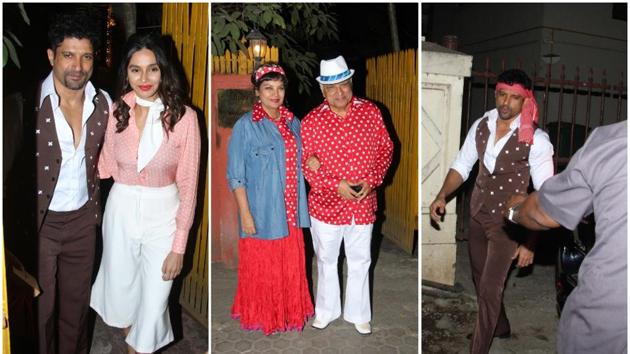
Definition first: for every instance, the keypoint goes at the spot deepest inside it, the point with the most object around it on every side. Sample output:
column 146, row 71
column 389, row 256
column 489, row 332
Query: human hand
column 313, row 163
column 346, row 192
column 247, row 223
column 364, row 191
column 172, row 266
column 437, row 209
column 515, row 199
column 525, row 256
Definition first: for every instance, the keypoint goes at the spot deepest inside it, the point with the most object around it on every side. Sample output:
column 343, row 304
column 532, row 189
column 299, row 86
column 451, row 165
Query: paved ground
column 447, row 317
column 394, row 323
column 190, row 338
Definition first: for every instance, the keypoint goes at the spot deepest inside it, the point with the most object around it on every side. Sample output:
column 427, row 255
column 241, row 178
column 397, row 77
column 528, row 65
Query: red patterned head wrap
column 529, row 113
column 266, row 69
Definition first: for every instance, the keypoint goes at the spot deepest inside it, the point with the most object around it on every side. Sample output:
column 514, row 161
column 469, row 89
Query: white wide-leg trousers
column 138, row 231
column 327, row 243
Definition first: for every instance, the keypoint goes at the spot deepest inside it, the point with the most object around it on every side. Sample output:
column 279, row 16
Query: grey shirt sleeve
column 568, row 197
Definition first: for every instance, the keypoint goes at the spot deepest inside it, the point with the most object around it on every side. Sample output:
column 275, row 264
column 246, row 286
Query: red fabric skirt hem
column 272, row 293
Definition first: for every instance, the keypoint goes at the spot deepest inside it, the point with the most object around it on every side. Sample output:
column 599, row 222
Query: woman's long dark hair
column 170, row 91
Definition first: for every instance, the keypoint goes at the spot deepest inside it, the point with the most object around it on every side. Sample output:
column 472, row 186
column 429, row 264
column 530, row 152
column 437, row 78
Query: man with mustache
column 69, row 129
column 510, row 149
column 348, row 136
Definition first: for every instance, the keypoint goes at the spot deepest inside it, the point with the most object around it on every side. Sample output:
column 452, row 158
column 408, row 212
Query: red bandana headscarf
column 529, row 113
column 258, row 113
column 266, row 69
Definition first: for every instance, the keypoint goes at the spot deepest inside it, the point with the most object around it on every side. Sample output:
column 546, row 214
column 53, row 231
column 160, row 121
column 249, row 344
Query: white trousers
column 138, row 232
column 327, row 242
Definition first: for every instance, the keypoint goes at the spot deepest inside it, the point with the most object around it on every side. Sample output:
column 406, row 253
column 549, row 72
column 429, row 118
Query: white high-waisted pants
column 138, row 231
column 327, row 242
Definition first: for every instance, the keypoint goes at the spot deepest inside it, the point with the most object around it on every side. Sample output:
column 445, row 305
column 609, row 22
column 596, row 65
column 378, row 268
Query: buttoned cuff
column 236, row 182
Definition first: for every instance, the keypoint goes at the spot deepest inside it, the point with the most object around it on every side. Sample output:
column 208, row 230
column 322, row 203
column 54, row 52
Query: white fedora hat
column 333, row 71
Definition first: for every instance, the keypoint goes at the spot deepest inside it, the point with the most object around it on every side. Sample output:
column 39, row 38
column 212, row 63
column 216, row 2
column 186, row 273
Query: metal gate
column 570, row 105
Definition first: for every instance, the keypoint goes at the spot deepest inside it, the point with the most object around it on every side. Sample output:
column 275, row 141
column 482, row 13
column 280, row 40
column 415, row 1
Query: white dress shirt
column 71, row 191
column 540, row 153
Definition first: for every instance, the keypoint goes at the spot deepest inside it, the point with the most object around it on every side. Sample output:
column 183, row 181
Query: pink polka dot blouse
column 176, row 161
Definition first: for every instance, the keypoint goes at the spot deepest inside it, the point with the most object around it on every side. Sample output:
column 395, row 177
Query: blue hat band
column 334, row 77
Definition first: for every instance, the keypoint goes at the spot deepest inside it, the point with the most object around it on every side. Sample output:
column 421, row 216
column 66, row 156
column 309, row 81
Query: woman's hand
column 172, row 266
column 247, row 223
column 313, row 163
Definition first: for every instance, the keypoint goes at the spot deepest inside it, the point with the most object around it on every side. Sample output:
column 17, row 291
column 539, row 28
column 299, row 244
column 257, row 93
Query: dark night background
column 25, row 80
column 34, row 37
column 364, row 32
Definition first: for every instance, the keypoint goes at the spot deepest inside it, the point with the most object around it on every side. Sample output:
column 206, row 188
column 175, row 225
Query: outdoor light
column 258, row 44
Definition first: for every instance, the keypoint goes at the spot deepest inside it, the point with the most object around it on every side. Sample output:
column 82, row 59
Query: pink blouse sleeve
column 107, row 166
column 186, row 178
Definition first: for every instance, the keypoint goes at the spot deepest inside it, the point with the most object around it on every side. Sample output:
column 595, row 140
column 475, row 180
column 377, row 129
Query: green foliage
column 9, row 41
column 293, row 28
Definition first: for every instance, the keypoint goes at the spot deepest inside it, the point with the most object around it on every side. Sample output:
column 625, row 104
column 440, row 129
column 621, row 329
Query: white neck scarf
column 152, row 134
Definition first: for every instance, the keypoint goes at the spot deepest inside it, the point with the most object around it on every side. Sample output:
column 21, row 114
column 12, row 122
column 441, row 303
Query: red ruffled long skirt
column 272, row 292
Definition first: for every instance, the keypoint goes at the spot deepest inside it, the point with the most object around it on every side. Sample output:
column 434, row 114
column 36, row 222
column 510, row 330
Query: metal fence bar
column 619, row 95
column 589, row 100
column 574, row 110
column 602, row 108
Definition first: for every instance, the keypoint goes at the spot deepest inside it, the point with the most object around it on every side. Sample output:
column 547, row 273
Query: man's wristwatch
column 513, row 213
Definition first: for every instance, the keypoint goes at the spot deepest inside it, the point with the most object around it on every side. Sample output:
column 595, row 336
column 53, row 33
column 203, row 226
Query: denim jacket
column 256, row 161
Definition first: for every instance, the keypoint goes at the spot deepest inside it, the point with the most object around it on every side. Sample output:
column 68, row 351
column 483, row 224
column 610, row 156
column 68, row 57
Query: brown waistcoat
column 48, row 155
column 510, row 175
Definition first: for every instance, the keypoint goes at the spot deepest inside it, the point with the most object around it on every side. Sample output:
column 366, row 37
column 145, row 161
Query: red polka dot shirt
column 290, row 153
column 354, row 148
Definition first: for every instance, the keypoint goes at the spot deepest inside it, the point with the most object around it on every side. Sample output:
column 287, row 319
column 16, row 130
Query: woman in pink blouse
column 151, row 149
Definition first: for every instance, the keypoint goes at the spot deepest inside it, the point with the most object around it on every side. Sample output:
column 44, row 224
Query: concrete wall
column 582, row 35
column 443, row 73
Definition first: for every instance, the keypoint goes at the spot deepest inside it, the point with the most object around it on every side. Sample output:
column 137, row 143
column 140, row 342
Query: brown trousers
column 490, row 250
column 66, row 258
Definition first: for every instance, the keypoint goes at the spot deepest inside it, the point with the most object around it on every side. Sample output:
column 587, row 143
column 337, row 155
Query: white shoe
column 320, row 324
column 363, row 328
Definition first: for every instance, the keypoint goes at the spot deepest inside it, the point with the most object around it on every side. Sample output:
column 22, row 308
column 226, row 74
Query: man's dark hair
column 73, row 25
column 515, row 76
